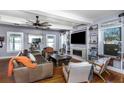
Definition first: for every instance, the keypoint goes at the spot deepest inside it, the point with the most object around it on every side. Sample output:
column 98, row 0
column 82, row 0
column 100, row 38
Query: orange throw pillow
column 10, row 67
column 26, row 61
column 22, row 59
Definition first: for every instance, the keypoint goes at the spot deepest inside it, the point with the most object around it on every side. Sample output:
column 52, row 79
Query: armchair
column 47, row 51
column 77, row 72
column 100, row 66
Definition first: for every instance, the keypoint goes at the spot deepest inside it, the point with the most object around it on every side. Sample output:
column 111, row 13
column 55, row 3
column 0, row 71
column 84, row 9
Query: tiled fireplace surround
column 78, row 52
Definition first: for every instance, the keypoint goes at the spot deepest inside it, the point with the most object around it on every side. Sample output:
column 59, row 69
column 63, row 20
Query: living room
column 64, row 46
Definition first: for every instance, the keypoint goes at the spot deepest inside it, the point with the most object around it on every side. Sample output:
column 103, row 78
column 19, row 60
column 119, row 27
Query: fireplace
column 77, row 52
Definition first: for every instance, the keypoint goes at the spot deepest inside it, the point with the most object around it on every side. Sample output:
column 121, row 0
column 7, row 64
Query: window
column 112, row 38
column 51, row 41
column 14, row 41
column 34, row 38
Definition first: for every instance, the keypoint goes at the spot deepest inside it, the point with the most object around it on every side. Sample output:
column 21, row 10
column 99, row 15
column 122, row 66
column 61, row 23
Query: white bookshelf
column 93, row 42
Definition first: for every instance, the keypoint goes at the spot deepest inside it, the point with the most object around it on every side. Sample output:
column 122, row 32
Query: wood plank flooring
column 114, row 77
column 57, row 77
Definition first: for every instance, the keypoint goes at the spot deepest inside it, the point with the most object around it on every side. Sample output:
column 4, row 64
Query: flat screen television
column 78, row 38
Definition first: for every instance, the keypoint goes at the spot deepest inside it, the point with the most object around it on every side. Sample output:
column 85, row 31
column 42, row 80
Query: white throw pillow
column 32, row 57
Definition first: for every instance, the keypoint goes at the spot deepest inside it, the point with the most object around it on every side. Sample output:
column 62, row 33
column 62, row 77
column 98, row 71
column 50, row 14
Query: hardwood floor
column 114, row 77
column 57, row 77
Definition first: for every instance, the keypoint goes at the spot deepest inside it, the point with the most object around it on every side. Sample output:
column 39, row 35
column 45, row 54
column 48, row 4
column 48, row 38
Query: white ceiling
column 93, row 14
column 63, row 19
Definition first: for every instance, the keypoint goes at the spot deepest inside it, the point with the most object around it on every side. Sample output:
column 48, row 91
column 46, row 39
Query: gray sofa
column 23, row 74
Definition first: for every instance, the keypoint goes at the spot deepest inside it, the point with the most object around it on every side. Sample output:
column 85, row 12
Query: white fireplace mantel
column 81, row 48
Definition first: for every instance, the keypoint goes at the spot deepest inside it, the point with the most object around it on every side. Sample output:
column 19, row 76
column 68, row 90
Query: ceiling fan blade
column 48, row 25
column 34, row 24
column 45, row 24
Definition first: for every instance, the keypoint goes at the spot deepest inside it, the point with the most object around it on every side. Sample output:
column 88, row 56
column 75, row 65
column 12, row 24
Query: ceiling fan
column 37, row 23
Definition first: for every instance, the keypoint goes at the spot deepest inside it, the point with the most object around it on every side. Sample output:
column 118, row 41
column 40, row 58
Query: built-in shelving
column 93, row 42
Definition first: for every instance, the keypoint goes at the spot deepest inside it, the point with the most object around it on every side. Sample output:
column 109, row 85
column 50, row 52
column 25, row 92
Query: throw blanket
column 22, row 59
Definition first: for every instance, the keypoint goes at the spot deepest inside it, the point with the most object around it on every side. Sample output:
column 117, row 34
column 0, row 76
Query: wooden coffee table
column 58, row 59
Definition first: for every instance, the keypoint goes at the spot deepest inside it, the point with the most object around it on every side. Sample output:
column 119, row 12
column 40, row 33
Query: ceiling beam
column 62, row 15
